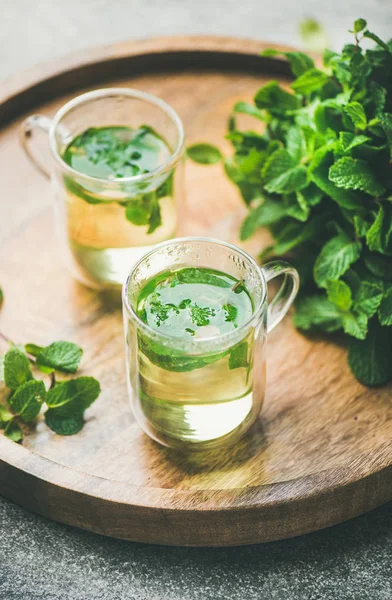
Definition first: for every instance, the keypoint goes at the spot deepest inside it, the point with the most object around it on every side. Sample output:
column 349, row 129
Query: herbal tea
column 112, row 226
column 194, row 397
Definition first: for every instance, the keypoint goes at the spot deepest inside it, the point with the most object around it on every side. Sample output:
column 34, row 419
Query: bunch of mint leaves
column 65, row 401
column 319, row 177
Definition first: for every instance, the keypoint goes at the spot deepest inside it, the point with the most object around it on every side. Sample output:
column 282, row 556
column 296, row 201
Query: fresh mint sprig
column 317, row 172
column 66, row 401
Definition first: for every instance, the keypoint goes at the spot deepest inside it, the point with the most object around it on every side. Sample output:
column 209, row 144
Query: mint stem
column 52, row 380
column 11, row 343
column 6, row 339
column 237, row 285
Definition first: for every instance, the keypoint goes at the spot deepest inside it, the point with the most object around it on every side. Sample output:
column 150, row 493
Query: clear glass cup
column 99, row 240
column 186, row 392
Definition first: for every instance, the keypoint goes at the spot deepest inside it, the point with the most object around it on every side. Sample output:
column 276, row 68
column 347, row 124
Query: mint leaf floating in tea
column 16, row 368
column 316, row 171
column 67, row 402
column 239, row 356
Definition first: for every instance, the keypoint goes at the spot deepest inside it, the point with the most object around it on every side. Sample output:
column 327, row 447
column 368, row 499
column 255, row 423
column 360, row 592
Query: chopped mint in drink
column 202, row 301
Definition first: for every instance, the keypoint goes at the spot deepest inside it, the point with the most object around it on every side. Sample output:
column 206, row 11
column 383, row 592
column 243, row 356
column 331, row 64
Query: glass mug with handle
column 206, row 386
column 117, row 176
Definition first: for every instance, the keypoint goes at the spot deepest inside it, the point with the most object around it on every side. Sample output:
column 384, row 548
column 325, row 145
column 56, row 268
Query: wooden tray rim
column 303, row 489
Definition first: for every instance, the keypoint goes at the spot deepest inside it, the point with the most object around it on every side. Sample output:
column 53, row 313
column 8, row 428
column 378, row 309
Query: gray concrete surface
column 41, row 560
column 46, row 561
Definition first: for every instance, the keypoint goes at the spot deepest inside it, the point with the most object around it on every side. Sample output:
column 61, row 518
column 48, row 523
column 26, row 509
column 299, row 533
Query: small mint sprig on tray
column 317, row 172
column 66, row 401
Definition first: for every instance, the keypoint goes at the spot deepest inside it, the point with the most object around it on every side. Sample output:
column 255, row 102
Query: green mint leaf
column 310, row 81
column 293, row 180
column 385, row 311
column 293, row 235
column 77, row 394
column 299, row 62
column 317, row 311
column 194, row 275
column 230, row 312
column 13, row 432
column 1, row 369
column 379, row 234
column 1, row 297
column 200, row 315
column 386, row 124
column 138, row 210
column 359, row 25
column 319, row 170
column 170, row 360
column 311, row 195
column 62, row 356
column 155, row 219
column 339, row 294
column 348, row 141
column 33, row 349
column 297, row 207
column 265, row 214
column 313, row 35
column 248, row 109
column 357, row 114
column 67, row 402
column 361, row 226
column 379, row 266
column 355, row 174
column 204, row 154
column 27, row 400
column 370, row 359
column 281, row 174
column 238, row 356
column 64, row 424
column 166, row 188
column 329, row 56
column 274, row 98
column 16, row 368
column 5, row 416
column 249, row 165
column 367, row 298
column 335, row 258
column 295, row 144
column 355, row 325
column 375, row 38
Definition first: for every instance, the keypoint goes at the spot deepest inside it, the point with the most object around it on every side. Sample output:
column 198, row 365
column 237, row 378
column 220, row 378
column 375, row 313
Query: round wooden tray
column 321, row 451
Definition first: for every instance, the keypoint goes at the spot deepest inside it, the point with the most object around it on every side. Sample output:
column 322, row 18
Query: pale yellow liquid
column 104, row 244
column 201, row 405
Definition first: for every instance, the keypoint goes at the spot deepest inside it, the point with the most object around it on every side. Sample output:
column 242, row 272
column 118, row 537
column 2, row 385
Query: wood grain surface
column 321, row 450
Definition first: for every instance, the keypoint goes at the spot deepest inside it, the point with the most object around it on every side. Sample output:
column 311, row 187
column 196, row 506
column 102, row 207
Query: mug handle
column 26, row 131
column 284, row 297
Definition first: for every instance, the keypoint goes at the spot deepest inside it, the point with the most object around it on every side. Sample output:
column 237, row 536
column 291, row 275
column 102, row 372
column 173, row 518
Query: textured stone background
column 43, row 560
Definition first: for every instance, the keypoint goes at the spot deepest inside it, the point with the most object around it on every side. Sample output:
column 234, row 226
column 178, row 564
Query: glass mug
column 100, row 240
column 185, row 392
